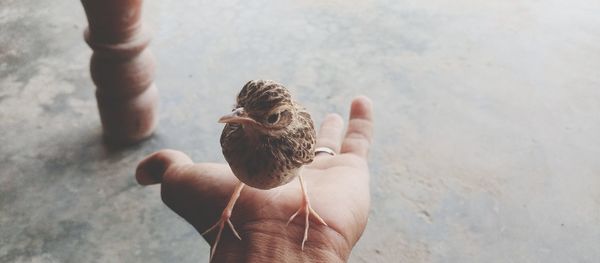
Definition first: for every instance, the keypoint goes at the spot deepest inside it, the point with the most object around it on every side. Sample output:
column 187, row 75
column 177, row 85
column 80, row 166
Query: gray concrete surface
column 487, row 141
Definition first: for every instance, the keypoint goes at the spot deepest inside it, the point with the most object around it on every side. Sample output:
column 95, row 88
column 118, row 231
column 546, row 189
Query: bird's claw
column 308, row 211
column 225, row 217
column 221, row 225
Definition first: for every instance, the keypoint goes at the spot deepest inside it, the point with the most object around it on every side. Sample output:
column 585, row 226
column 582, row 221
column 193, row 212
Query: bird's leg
column 225, row 216
column 308, row 210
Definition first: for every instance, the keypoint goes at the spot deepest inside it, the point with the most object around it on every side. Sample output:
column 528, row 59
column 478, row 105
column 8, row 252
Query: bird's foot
column 225, row 218
column 308, row 211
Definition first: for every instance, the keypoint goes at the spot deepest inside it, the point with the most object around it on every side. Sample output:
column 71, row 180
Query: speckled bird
column 267, row 139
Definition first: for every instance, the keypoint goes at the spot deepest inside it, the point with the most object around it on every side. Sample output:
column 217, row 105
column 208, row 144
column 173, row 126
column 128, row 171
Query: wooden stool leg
column 122, row 69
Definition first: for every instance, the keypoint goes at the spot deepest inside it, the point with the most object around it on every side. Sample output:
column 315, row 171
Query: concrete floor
column 487, row 143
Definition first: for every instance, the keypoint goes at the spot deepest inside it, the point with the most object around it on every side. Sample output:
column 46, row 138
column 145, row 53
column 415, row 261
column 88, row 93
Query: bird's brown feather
column 263, row 158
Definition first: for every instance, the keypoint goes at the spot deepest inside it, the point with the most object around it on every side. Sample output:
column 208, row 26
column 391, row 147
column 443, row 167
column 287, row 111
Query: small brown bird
column 266, row 140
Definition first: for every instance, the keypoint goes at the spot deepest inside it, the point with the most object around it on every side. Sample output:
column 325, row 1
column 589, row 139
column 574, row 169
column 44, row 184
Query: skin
column 338, row 187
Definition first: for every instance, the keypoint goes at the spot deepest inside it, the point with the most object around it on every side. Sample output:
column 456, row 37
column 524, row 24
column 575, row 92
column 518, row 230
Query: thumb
column 196, row 192
column 151, row 170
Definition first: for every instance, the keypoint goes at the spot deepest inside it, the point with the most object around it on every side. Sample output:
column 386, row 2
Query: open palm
column 338, row 187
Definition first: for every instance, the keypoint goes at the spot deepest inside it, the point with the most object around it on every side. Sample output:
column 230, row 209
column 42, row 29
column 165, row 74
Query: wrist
column 276, row 242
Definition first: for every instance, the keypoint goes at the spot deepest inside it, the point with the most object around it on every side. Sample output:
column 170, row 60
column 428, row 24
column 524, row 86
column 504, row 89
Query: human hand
column 338, row 189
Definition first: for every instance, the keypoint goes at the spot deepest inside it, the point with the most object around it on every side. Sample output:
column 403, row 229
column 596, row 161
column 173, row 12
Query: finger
column 198, row 192
column 153, row 167
column 360, row 128
column 198, row 182
column 330, row 133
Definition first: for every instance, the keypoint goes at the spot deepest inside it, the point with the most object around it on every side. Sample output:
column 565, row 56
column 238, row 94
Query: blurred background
column 487, row 142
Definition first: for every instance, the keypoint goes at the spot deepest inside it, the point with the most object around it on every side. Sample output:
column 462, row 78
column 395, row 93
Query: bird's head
column 263, row 106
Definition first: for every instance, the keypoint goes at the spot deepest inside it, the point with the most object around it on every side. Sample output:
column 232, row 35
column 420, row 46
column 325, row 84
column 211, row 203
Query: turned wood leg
column 122, row 69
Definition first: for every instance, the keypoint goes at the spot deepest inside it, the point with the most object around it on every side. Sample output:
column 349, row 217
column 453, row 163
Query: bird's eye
column 273, row 118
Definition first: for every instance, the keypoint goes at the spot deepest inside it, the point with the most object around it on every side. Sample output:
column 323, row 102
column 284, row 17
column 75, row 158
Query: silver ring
column 326, row 150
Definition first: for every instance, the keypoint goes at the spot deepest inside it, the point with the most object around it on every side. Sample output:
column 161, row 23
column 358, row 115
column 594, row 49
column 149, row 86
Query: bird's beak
column 236, row 116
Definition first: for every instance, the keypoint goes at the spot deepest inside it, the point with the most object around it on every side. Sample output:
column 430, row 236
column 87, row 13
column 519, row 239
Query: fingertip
column 360, row 127
column 152, row 168
column 361, row 108
column 149, row 171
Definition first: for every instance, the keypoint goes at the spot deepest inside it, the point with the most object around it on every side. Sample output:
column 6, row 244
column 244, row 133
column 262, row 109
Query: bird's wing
column 304, row 140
